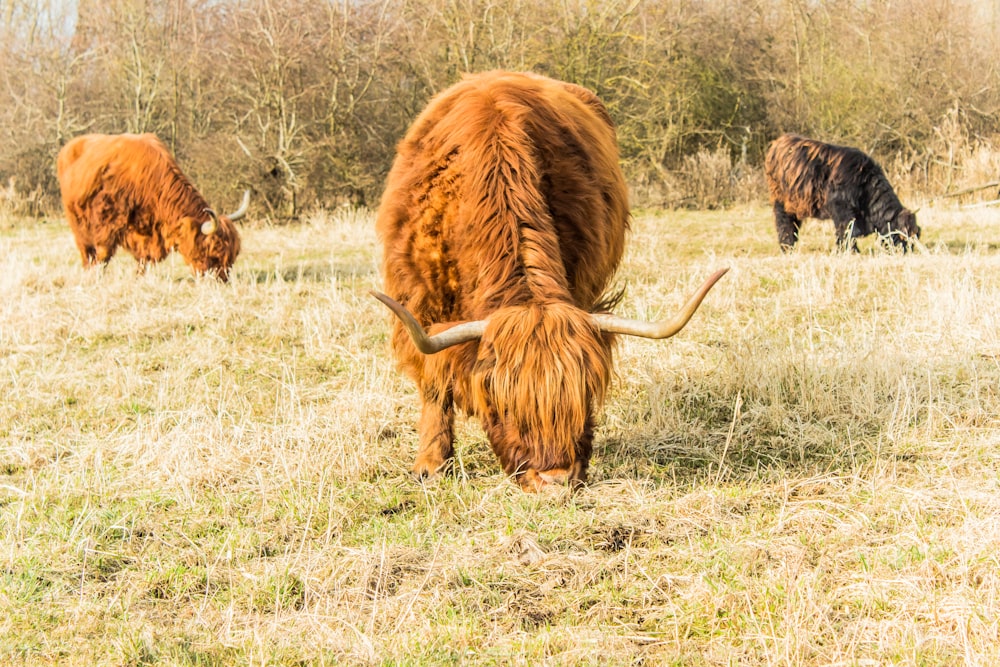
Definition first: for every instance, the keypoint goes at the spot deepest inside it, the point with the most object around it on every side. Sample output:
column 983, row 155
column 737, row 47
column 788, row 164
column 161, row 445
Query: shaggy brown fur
column 808, row 178
column 127, row 190
column 506, row 201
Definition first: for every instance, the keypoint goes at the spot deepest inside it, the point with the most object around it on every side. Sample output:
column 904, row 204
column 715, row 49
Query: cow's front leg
column 846, row 224
column 584, row 449
column 436, row 431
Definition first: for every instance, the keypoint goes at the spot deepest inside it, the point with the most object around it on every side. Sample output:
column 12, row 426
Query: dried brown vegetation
column 194, row 473
column 304, row 100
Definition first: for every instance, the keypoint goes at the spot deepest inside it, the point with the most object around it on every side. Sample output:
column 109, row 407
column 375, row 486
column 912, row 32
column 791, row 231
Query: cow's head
column 906, row 224
column 541, row 370
column 211, row 244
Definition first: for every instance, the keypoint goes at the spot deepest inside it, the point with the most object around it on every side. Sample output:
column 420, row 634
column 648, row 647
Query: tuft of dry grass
column 197, row 473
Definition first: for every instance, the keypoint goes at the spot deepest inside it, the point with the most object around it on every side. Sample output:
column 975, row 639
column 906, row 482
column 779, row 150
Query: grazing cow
column 127, row 190
column 503, row 220
column 810, row 179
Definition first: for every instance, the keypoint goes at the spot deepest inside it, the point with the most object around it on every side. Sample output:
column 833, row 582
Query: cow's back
column 506, row 190
column 802, row 174
column 123, row 163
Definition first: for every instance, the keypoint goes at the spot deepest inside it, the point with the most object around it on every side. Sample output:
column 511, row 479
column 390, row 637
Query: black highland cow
column 811, row 179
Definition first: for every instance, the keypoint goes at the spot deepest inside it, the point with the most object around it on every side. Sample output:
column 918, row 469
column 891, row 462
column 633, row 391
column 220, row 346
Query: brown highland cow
column 127, row 190
column 811, row 179
column 503, row 221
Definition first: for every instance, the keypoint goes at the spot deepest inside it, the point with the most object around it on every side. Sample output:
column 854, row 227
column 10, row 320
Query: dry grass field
column 194, row 473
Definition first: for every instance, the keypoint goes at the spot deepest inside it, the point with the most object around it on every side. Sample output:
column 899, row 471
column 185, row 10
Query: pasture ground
column 194, row 473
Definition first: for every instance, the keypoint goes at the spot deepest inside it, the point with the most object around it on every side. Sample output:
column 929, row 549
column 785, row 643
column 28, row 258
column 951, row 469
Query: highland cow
column 811, row 179
column 127, row 190
column 503, row 220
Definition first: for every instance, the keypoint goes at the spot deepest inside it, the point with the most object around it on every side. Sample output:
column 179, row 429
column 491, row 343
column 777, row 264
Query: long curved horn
column 211, row 225
column 662, row 329
column 460, row 333
column 242, row 210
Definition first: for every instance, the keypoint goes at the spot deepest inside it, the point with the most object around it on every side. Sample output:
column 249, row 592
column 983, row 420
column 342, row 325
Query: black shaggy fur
column 811, row 179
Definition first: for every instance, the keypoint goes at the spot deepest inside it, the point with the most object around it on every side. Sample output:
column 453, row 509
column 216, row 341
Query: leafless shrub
column 707, row 179
column 304, row 100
